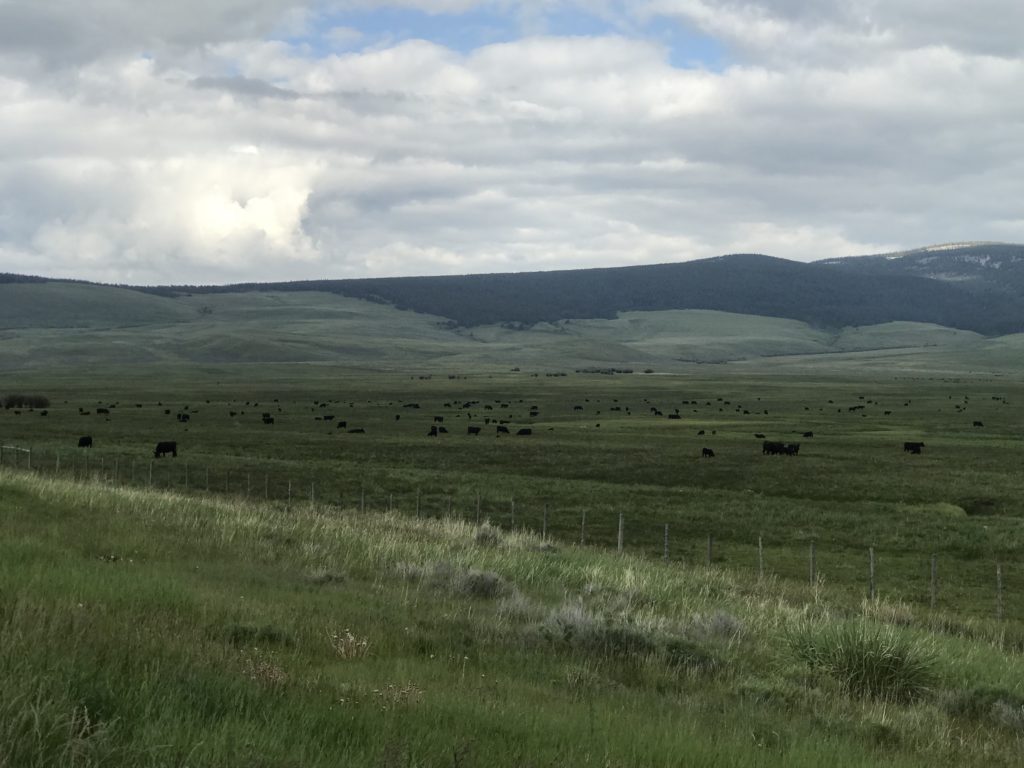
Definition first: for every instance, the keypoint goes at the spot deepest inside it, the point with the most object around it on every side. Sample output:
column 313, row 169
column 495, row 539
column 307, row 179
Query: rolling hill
column 903, row 307
column 751, row 284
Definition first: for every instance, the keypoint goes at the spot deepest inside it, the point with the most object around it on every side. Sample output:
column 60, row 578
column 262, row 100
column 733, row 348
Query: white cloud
column 181, row 143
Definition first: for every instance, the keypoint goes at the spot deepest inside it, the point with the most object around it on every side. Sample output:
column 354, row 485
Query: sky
column 218, row 141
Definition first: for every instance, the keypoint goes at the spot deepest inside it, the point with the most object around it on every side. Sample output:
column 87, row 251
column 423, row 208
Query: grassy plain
column 212, row 609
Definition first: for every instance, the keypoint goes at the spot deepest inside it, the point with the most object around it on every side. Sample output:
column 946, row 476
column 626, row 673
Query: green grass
column 141, row 628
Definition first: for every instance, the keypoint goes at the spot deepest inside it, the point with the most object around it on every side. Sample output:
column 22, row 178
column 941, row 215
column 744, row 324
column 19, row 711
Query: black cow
column 525, row 431
column 342, row 425
column 707, row 453
column 164, row 447
column 912, row 447
column 357, row 431
column 268, row 419
column 772, row 448
column 759, row 436
column 102, row 410
column 978, row 424
column 442, row 430
column 438, row 419
column 183, row 417
column 502, row 430
column 808, row 434
column 472, row 430
column 432, row 432
column 699, row 433
column 674, row 416
column 85, row 442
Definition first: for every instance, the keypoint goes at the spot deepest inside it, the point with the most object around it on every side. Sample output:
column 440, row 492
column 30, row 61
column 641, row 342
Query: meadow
column 297, row 594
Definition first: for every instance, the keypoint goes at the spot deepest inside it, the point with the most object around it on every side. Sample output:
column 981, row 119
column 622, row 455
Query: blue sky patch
column 467, row 31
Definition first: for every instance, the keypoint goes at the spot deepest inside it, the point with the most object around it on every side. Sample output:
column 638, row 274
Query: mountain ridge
column 948, row 285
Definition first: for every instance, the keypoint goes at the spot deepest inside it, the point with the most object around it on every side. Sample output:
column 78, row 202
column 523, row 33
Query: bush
column 996, row 705
column 868, row 660
column 26, row 401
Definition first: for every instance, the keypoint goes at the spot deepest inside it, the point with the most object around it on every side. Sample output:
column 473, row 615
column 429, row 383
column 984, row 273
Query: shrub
column 26, row 401
column 576, row 627
column 488, row 536
column 996, row 705
column 868, row 660
column 480, row 584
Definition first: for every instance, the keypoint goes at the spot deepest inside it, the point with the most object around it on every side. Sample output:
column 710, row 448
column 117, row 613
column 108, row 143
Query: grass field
column 212, row 609
column 141, row 628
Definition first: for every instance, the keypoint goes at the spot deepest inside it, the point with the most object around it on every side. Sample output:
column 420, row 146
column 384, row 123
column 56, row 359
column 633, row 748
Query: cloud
column 192, row 143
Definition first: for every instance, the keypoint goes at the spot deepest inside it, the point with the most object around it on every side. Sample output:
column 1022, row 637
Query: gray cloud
column 184, row 145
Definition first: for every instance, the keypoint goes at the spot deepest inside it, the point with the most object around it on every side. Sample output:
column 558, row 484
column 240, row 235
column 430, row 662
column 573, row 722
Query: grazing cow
column 268, row 419
column 525, row 431
column 701, row 432
column 357, row 431
column 978, row 424
column 164, row 447
column 432, row 432
column 808, row 434
column 707, row 453
column 502, row 430
column 439, row 419
column 85, row 442
column 342, row 424
column 674, row 416
column 577, row 407
column 772, row 448
column 167, row 411
column 182, row 417
column 759, row 436
column 44, row 413
column 472, row 430
column 912, row 447
column 102, row 410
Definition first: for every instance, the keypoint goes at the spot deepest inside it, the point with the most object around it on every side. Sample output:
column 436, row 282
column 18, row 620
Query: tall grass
column 868, row 659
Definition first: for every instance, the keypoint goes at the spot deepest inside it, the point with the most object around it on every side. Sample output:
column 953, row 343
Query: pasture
column 600, row 446
column 292, row 593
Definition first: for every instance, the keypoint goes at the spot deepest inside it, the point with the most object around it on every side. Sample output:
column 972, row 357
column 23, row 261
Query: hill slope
column 743, row 284
column 982, row 268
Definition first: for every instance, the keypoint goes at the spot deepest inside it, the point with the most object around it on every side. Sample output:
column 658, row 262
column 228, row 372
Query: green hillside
column 49, row 325
column 151, row 629
column 82, row 305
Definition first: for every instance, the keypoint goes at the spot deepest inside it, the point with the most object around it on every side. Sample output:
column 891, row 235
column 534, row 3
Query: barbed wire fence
column 669, row 541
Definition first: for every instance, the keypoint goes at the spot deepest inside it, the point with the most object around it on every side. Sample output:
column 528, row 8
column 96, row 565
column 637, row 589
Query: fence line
column 78, row 467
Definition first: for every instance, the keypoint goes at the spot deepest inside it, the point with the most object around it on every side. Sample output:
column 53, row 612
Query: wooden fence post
column 186, row 477
column 871, row 573
column 622, row 530
column 512, row 511
column 760, row 558
column 57, row 470
column 999, row 591
column 583, row 528
column 418, row 506
column 150, row 471
column 814, row 565
column 664, row 552
column 544, row 525
column 934, row 591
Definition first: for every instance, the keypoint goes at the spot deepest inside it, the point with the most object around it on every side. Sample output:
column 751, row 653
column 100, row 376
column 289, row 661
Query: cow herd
column 501, row 415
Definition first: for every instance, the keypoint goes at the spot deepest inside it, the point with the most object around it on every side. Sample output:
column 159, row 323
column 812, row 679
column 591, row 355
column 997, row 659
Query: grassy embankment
column 144, row 628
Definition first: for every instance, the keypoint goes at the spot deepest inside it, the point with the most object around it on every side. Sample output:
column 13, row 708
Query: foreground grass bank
column 149, row 629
